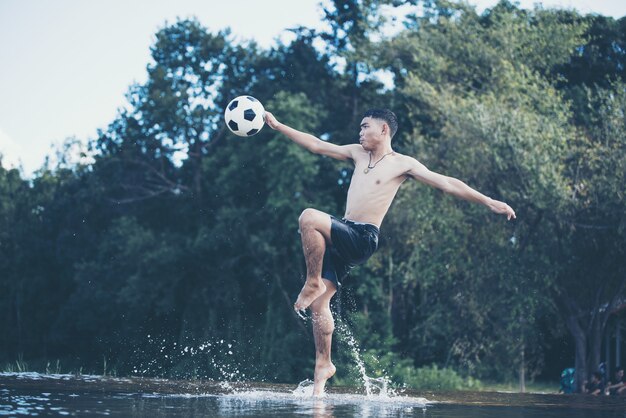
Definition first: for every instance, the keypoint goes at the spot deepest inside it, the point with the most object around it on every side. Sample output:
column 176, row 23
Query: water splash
column 304, row 389
column 210, row 359
column 374, row 386
column 225, row 367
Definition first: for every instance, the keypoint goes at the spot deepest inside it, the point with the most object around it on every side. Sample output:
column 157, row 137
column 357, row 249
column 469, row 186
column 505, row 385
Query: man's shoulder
column 357, row 151
column 404, row 160
column 399, row 156
column 356, row 147
column 409, row 166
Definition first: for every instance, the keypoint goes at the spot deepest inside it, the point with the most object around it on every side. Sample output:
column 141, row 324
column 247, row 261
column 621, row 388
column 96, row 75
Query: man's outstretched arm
column 456, row 188
column 310, row 142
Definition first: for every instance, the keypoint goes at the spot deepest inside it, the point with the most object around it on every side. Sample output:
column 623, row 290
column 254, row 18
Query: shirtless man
column 331, row 245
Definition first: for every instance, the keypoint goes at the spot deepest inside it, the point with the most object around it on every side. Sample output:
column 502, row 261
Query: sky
column 66, row 65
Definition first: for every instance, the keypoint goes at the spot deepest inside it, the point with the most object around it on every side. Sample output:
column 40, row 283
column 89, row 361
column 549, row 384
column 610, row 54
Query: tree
column 592, row 275
column 498, row 124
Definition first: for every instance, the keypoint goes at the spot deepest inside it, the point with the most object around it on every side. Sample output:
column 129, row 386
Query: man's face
column 619, row 374
column 371, row 134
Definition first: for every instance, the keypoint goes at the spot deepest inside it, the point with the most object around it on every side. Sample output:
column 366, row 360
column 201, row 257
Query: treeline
column 179, row 244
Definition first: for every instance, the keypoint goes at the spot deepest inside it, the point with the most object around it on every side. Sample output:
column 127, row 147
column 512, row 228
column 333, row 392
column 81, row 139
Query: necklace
column 369, row 164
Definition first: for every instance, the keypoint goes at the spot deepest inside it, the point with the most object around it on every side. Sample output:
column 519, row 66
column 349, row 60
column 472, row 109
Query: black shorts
column 352, row 244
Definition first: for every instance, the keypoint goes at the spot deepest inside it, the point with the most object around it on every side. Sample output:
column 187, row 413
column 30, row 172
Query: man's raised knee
column 313, row 219
column 308, row 218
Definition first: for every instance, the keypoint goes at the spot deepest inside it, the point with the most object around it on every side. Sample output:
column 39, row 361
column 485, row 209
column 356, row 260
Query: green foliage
column 434, row 378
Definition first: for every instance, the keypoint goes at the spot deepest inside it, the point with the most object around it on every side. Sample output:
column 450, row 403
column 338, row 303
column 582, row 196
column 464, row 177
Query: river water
column 68, row 395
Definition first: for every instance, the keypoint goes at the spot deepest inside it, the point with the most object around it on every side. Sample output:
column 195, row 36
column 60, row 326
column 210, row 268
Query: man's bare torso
column 370, row 194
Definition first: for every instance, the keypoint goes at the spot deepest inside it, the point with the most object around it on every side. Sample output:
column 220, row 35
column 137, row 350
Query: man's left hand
column 502, row 209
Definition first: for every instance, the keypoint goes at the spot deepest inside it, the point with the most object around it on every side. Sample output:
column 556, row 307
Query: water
column 230, row 396
column 373, row 386
column 68, row 395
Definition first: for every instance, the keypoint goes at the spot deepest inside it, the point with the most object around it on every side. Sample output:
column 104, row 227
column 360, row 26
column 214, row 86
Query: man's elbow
column 448, row 187
column 314, row 148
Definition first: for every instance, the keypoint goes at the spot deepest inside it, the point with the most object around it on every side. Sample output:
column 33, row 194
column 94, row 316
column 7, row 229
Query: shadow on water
column 33, row 393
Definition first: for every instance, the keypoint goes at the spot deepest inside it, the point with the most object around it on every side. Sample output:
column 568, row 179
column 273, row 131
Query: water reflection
column 258, row 403
column 71, row 395
column 322, row 410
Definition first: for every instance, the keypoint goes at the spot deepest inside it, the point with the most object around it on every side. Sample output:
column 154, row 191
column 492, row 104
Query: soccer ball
column 244, row 116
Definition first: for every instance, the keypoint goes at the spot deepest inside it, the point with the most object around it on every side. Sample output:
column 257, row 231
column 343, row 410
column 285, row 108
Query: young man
column 617, row 385
column 331, row 245
column 595, row 386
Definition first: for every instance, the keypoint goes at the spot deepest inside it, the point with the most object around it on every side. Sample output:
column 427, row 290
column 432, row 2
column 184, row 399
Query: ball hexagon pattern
column 244, row 116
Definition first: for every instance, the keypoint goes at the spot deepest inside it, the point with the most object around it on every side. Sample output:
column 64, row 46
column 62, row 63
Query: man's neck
column 380, row 152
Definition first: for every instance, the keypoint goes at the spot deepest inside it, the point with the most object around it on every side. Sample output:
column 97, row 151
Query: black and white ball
column 244, row 116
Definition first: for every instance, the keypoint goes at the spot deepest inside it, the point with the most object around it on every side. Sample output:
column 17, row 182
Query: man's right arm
column 310, row 142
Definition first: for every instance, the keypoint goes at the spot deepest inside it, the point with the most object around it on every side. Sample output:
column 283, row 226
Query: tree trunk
column 522, row 370
column 573, row 317
column 18, row 317
column 581, row 361
column 595, row 345
column 580, row 341
column 587, row 327
column 522, row 359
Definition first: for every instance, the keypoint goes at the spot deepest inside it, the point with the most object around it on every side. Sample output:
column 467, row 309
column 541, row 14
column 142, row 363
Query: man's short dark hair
column 386, row 115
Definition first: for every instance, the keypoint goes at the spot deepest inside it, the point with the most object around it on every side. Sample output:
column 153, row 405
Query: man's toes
column 301, row 313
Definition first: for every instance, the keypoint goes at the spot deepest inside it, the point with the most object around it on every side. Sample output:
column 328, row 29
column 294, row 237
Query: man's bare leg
column 315, row 232
column 323, row 327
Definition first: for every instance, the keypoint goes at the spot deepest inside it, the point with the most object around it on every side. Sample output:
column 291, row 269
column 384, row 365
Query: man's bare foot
column 312, row 289
column 322, row 374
